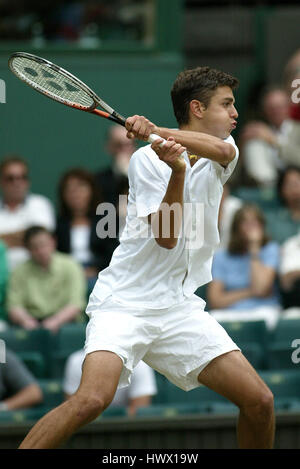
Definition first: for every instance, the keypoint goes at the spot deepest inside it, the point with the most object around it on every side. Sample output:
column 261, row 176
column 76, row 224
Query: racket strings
column 51, row 82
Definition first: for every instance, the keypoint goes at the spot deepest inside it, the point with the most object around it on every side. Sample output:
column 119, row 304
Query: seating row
column 171, row 401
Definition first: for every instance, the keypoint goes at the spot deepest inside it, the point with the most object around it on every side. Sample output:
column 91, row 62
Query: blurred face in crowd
column 219, row 117
column 120, row 148
column 251, row 227
column 290, row 190
column 41, row 247
column 275, row 107
column 14, row 183
column 77, row 195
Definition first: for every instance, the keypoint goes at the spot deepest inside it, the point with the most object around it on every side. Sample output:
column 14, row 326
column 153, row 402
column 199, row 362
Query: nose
column 234, row 114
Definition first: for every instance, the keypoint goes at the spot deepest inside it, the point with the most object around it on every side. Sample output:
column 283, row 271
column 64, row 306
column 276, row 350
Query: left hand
column 140, row 127
column 170, row 153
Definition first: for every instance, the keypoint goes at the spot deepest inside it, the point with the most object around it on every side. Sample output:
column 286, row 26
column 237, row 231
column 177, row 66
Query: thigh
column 232, row 376
column 101, row 372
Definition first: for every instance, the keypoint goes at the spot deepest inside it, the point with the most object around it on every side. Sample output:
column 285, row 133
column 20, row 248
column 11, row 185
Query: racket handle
column 153, row 137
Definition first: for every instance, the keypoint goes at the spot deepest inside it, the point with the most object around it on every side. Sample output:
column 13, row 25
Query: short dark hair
column 198, row 83
column 12, row 159
column 33, row 231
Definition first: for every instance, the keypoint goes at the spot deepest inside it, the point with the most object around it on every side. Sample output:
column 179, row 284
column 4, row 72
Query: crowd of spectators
column 85, row 23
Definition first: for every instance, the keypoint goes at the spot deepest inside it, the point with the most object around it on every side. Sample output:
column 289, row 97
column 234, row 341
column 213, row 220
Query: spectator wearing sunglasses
column 19, row 209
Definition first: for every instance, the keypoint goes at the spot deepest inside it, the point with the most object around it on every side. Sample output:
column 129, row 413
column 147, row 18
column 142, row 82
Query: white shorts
column 178, row 342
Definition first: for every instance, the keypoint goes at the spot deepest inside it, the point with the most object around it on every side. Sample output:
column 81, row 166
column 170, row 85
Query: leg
column 232, row 376
column 100, row 377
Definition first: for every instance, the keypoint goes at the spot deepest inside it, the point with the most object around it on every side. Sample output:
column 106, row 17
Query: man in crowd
column 19, row 209
column 47, row 290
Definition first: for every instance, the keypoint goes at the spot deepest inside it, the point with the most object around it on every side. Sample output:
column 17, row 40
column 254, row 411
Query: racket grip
column 153, row 137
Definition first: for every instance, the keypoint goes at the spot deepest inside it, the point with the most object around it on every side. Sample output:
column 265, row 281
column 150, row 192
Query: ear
column 197, row 108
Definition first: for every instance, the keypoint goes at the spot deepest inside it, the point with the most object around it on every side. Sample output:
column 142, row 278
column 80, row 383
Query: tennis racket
column 60, row 85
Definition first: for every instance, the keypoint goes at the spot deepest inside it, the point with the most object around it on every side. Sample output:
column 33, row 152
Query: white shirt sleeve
column 147, row 181
column 290, row 255
column 143, row 381
column 225, row 173
column 72, row 374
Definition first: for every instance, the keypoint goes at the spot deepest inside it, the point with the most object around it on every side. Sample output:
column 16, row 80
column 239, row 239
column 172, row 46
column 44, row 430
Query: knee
column 88, row 408
column 261, row 409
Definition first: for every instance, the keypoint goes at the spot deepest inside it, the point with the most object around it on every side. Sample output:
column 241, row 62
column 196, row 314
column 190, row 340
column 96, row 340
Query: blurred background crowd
column 50, row 254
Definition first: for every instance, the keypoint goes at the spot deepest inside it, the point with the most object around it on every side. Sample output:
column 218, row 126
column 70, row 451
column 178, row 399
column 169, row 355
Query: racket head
column 54, row 82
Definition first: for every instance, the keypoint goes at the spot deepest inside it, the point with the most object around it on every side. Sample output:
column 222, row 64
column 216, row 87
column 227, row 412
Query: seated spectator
column 49, row 289
column 18, row 388
column 285, row 221
column 229, row 205
column 19, row 209
column 138, row 394
column 243, row 285
column 290, row 276
column 76, row 224
column 113, row 180
column 261, row 139
column 3, row 285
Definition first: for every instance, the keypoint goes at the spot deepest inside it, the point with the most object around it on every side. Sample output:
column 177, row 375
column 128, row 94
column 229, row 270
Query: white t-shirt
column 142, row 381
column 36, row 210
column 141, row 272
column 80, row 242
column 290, row 255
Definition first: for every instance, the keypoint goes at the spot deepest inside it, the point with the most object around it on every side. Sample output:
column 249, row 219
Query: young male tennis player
column 143, row 305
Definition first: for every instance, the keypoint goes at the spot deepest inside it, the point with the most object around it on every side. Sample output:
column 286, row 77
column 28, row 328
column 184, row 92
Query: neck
column 12, row 204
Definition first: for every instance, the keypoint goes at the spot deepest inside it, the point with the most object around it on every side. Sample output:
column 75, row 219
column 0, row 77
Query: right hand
column 170, row 153
column 140, row 127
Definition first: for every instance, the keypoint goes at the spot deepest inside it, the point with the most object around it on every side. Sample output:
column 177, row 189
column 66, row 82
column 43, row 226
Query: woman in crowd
column 77, row 222
column 244, row 275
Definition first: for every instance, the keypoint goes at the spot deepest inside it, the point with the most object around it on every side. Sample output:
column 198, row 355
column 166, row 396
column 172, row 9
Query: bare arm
column 166, row 223
column 13, row 240
column 219, row 298
column 22, row 318
column 262, row 277
column 67, row 314
column 27, row 397
column 199, row 143
column 202, row 144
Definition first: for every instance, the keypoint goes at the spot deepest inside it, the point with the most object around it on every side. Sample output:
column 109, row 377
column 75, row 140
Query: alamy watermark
column 2, row 351
column 173, row 221
column 295, row 96
column 2, row 91
column 296, row 353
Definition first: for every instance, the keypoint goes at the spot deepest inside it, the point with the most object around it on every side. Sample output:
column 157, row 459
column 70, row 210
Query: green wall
column 53, row 137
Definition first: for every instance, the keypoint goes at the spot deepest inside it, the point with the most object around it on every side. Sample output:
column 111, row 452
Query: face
column 14, row 182
column 276, row 107
column 120, row 147
column 219, row 118
column 41, row 247
column 249, row 224
column 291, row 188
column 77, row 195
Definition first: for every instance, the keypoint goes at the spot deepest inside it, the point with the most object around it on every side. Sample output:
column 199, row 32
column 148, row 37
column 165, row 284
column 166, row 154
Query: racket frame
column 110, row 113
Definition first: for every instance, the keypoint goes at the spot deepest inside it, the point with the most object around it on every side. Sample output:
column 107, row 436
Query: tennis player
column 143, row 306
